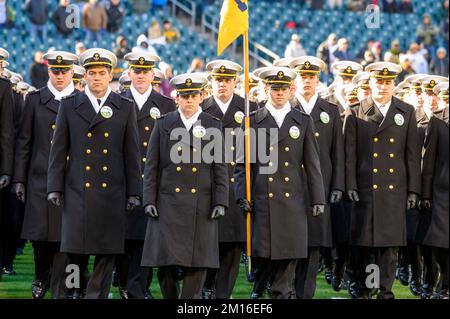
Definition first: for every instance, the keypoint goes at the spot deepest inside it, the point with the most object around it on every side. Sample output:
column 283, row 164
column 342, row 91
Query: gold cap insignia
column 96, row 56
column 188, row 82
column 280, row 74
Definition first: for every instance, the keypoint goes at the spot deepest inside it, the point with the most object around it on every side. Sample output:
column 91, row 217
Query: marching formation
column 346, row 178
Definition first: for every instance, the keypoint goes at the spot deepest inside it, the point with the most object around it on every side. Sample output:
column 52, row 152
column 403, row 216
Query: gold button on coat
column 88, row 151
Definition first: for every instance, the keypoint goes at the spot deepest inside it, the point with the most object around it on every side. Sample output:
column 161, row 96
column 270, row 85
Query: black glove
column 218, row 212
column 425, row 204
column 353, row 195
column 4, row 181
column 318, row 209
column 19, row 190
column 151, row 211
column 244, row 205
column 335, row 197
column 132, row 202
column 55, row 198
column 412, row 201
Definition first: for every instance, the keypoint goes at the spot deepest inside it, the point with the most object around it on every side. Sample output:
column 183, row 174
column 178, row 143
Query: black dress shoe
column 414, row 286
column 403, row 276
column 38, row 289
column 115, row 279
column 443, row 294
column 256, row 295
column 79, row 293
column 337, row 283
column 123, row 292
column 208, row 293
column 427, row 291
column 8, row 272
column 328, row 275
column 148, row 295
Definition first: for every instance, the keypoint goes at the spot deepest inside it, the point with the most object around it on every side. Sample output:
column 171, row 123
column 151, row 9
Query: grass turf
column 19, row 286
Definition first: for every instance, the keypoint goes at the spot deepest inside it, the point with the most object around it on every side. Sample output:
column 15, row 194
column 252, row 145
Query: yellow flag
column 233, row 22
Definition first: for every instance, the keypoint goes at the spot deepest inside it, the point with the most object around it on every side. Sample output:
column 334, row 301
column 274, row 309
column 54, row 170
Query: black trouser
column 386, row 260
column 306, row 274
column 193, row 282
column 224, row 278
column 283, row 272
column 99, row 283
column 429, row 267
column 441, row 256
column 49, row 266
column 132, row 276
column 410, row 255
column 11, row 220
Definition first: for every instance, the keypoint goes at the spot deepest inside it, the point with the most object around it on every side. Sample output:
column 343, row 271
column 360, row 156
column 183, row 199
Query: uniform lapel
column 234, row 107
column 291, row 119
column 48, row 99
column 83, row 107
column 371, row 111
column 318, row 108
column 129, row 95
column 389, row 118
column 112, row 100
column 210, row 106
column 151, row 102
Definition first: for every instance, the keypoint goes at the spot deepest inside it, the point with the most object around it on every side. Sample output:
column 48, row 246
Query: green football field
column 19, row 286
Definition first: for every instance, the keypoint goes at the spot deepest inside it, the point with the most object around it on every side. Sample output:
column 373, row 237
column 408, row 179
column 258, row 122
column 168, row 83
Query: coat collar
column 85, row 109
column 48, row 99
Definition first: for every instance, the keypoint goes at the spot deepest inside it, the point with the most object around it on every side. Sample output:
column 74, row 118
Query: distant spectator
column 80, row 48
column 389, row 6
column 426, row 34
column 376, row 50
column 121, row 47
column 443, row 30
column 7, row 15
column 37, row 12
column 115, row 12
column 369, row 44
column 166, row 89
column 94, row 21
column 405, row 6
column 439, row 64
column 197, row 65
column 170, row 33
column 393, row 54
column 334, row 4
column 342, row 53
column 154, row 31
column 417, row 58
column 294, row 48
column 38, row 71
column 59, row 18
column 144, row 45
column 407, row 69
column 325, row 52
column 141, row 6
column 368, row 58
column 355, row 5
column 442, row 13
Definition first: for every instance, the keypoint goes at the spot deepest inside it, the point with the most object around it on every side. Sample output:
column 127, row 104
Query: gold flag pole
column 247, row 149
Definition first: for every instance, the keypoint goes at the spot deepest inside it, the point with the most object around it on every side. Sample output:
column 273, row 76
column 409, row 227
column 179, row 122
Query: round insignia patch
column 399, row 119
column 324, row 117
column 294, row 132
column 155, row 113
column 238, row 117
column 199, row 131
column 106, row 112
